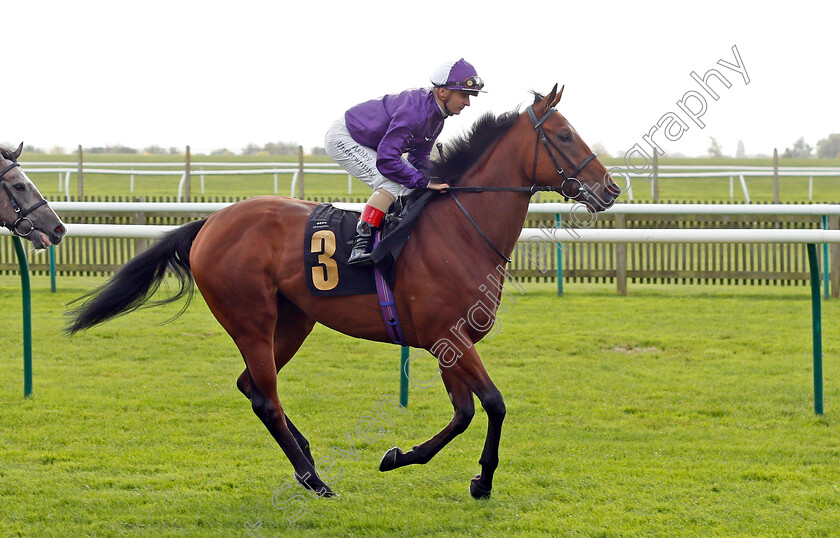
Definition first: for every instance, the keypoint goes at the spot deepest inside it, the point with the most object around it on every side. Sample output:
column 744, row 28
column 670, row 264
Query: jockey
column 371, row 138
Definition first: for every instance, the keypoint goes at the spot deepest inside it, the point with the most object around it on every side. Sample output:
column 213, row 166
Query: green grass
column 671, row 411
column 826, row 189
column 716, row 189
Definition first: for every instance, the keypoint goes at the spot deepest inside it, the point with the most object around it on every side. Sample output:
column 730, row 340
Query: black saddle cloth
column 328, row 240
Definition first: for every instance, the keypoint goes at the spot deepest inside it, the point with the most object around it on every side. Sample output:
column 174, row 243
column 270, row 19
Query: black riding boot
column 362, row 244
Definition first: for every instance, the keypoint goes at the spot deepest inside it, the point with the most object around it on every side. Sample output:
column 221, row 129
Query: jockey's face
column 453, row 101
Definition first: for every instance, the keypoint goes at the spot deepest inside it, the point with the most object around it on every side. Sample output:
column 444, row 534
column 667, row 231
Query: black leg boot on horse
column 369, row 221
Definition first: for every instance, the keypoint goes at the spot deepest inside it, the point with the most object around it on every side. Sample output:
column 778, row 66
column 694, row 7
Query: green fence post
column 557, row 223
column 816, row 327
column 27, row 317
column 52, row 268
column 404, row 376
column 826, row 280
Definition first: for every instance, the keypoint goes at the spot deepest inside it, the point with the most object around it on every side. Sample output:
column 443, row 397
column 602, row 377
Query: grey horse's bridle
column 23, row 225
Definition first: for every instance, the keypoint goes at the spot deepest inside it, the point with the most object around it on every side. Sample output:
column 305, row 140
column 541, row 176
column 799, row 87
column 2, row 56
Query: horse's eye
column 565, row 136
column 20, row 187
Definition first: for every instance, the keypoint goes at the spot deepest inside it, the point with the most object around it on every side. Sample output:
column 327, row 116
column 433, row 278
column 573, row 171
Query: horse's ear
column 18, row 151
column 551, row 95
column 547, row 102
column 559, row 95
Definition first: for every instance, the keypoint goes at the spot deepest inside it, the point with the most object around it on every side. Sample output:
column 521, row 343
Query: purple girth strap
column 387, row 305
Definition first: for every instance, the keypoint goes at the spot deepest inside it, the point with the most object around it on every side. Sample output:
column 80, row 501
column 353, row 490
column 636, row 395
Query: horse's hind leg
column 251, row 315
column 462, row 401
column 291, row 329
column 267, row 406
column 244, row 385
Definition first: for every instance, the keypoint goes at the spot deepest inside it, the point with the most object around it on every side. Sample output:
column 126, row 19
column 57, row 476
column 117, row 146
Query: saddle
column 328, row 239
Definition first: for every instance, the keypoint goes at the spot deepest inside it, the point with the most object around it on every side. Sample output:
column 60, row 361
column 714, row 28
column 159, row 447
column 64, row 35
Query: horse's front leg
column 470, row 370
column 462, row 401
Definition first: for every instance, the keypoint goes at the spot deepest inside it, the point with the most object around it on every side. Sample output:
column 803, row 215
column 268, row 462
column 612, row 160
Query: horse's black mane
column 463, row 152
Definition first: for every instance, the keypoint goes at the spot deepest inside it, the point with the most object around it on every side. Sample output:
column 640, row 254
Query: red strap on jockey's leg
column 372, row 216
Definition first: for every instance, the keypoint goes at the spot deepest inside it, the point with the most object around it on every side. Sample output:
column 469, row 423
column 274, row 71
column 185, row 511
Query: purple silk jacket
column 407, row 122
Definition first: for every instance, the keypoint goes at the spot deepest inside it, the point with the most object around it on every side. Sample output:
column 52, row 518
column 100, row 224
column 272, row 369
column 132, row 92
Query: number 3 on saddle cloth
column 328, row 239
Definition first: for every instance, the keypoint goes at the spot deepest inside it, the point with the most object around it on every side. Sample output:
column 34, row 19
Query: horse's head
column 22, row 208
column 563, row 160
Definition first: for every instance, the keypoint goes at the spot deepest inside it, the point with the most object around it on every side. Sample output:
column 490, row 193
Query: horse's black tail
column 138, row 280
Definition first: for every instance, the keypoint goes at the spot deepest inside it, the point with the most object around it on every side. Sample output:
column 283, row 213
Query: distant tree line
column 272, row 148
column 278, row 148
column 827, row 148
column 127, row 150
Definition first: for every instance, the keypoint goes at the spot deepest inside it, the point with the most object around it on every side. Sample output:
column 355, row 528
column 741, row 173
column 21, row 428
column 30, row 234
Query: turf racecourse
column 672, row 411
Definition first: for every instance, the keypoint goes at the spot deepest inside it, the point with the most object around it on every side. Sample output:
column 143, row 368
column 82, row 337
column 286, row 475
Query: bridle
column 582, row 190
column 22, row 218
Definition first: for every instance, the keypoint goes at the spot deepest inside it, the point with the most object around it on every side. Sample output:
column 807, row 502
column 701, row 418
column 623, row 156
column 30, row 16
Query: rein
column 475, row 224
column 582, row 190
column 21, row 214
column 533, row 189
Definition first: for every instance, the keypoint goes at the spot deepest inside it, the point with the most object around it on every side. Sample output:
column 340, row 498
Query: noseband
column 22, row 219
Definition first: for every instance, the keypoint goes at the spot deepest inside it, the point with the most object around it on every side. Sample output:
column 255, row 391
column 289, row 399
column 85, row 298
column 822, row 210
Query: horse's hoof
column 477, row 490
column 316, row 485
column 389, row 460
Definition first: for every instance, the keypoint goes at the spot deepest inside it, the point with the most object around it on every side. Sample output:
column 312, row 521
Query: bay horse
column 246, row 261
column 23, row 211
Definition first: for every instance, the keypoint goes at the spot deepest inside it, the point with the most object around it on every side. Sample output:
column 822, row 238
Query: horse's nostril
column 59, row 230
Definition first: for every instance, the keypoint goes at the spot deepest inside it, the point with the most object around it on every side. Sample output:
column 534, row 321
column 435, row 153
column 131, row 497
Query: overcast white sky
column 224, row 74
